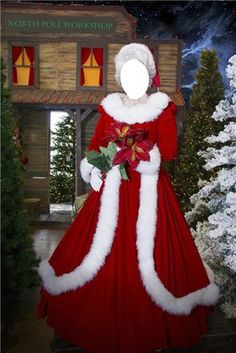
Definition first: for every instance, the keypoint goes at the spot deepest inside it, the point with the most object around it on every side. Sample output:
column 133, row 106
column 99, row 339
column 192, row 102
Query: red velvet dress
column 113, row 312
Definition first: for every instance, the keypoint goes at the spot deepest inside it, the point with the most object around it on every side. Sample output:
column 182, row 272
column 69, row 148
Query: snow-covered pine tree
column 215, row 235
column 62, row 171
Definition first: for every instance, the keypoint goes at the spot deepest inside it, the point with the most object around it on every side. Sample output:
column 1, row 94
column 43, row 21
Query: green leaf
column 123, row 172
column 92, row 155
column 99, row 160
column 109, row 151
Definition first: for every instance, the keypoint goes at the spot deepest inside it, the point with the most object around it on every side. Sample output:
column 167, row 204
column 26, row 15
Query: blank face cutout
column 134, row 78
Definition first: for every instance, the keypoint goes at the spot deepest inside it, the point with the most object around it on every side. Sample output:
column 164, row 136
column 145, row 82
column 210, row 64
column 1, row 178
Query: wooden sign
column 13, row 22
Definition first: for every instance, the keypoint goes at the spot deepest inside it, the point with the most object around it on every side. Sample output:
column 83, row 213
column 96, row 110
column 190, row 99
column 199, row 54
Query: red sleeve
column 167, row 132
column 99, row 138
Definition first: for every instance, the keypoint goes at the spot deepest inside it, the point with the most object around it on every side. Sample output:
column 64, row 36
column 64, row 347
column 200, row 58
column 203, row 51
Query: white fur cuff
column 150, row 167
column 86, row 169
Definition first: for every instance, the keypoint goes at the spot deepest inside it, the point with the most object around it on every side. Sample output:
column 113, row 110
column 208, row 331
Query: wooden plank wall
column 113, row 49
column 57, row 65
column 124, row 25
column 167, row 61
column 36, row 139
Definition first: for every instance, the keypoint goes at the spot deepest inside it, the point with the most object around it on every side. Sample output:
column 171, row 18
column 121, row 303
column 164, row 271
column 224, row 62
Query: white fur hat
column 135, row 51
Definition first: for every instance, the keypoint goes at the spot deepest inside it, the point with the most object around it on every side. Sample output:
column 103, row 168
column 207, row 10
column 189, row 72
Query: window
column 91, row 69
column 23, row 66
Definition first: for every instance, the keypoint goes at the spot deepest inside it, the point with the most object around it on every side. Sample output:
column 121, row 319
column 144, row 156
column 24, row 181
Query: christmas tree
column 62, row 185
column 198, row 124
column 18, row 258
column 216, row 236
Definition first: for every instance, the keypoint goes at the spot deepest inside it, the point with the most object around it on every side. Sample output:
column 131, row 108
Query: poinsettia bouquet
column 127, row 146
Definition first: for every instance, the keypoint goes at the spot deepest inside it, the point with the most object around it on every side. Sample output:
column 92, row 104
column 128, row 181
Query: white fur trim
column 101, row 245
column 86, row 169
column 139, row 113
column 150, row 167
column 146, row 229
column 137, row 51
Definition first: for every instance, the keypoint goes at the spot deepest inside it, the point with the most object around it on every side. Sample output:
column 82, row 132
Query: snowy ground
column 60, row 207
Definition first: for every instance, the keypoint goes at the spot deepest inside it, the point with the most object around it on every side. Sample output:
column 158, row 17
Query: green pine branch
column 63, row 167
column 198, row 124
column 18, row 258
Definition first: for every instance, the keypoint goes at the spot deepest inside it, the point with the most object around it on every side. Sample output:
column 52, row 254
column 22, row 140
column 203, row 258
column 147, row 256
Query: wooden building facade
column 62, row 58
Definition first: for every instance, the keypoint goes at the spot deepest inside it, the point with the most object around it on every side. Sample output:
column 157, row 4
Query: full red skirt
column 113, row 313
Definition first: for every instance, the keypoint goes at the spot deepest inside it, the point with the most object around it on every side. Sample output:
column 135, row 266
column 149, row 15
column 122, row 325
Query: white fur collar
column 138, row 113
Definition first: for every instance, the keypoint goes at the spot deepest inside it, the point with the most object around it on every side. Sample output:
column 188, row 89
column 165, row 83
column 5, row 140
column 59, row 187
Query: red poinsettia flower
column 133, row 152
column 136, row 134
column 132, row 143
column 117, row 133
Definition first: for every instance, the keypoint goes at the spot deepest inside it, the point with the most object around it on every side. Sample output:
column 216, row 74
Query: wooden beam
column 19, row 113
column 71, row 113
column 86, row 113
column 78, row 116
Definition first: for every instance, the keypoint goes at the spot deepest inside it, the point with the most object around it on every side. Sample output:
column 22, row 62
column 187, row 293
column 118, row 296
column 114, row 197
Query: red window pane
column 91, row 72
column 23, row 73
column 98, row 54
column 16, row 52
column 85, row 53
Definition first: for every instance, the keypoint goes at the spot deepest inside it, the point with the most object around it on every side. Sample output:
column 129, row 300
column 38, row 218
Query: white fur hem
column 100, row 248
column 150, row 167
column 140, row 113
column 146, row 229
column 86, row 169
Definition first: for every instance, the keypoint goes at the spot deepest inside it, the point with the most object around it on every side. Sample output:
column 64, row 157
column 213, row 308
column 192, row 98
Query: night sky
column 200, row 24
